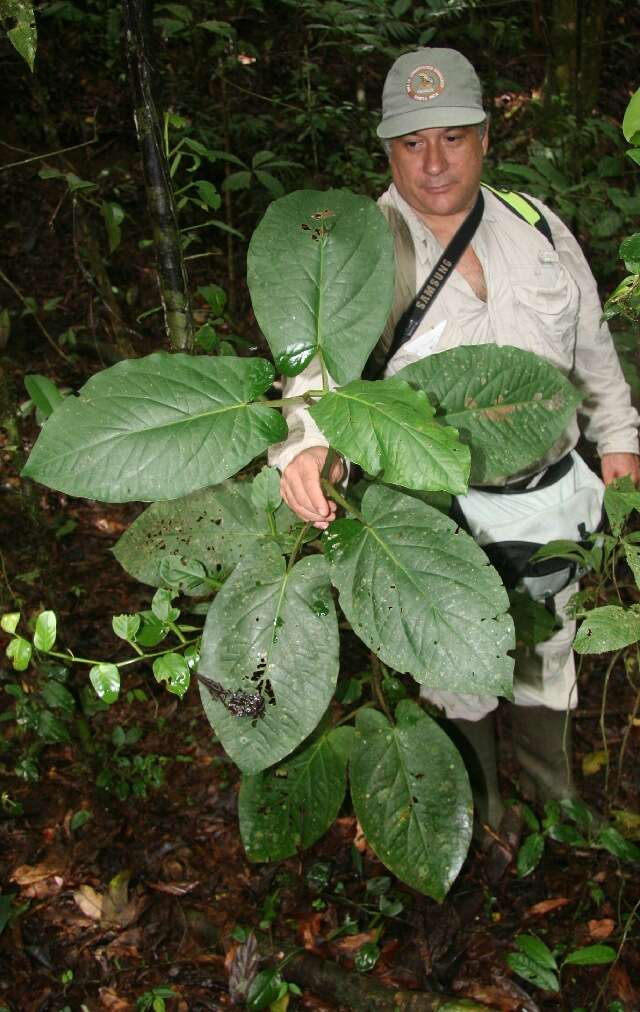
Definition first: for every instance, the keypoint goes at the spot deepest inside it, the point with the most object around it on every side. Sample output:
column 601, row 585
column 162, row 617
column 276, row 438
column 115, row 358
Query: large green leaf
column 608, row 628
column 412, row 797
column 157, row 428
column 276, row 631
column 422, row 595
column 290, row 806
column 320, row 273
column 509, row 405
column 216, row 526
column 388, row 428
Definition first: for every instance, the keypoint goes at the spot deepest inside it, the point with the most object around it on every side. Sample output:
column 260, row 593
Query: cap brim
column 424, row 119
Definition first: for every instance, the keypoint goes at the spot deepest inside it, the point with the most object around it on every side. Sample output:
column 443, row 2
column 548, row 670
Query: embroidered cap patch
column 425, row 83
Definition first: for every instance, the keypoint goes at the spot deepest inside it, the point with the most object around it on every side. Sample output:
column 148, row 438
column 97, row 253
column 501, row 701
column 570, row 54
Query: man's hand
column 301, row 490
column 616, row 465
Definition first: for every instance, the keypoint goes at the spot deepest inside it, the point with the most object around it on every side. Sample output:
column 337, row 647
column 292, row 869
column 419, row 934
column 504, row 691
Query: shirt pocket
column 546, row 303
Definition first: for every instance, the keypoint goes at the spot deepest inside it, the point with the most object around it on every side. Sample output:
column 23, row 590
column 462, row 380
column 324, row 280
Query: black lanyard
column 413, row 316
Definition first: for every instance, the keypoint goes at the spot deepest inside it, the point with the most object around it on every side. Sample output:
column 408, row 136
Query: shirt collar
column 423, row 239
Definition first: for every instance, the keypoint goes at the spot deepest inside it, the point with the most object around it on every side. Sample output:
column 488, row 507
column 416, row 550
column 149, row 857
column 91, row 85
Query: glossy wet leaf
column 607, row 628
column 258, row 637
column 321, row 275
column 216, row 526
column 613, row 841
column 157, row 427
column 536, row 950
column 509, row 405
column 412, row 797
column 9, row 621
column 530, row 854
column 533, row 972
column 422, row 595
column 591, row 955
column 19, row 652
column 44, row 636
column 389, row 429
column 290, row 806
column 264, row 990
column 174, row 670
column 105, row 679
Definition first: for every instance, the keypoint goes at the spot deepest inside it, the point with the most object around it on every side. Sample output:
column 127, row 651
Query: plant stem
column 306, row 398
column 352, row 713
column 376, row 665
column 333, row 493
column 47, row 154
column 71, row 658
column 16, row 291
column 172, row 275
column 296, row 547
column 603, row 730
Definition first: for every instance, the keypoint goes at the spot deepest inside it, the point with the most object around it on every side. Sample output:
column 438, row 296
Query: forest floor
column 153, row 890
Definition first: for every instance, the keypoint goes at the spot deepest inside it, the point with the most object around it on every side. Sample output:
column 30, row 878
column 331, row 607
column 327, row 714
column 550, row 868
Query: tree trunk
column 172, row 275
column 575, row 33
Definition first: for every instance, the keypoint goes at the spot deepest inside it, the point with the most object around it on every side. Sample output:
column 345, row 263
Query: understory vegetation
column 308, row 822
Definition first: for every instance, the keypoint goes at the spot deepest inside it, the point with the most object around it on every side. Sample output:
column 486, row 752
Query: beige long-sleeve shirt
column 541, row 299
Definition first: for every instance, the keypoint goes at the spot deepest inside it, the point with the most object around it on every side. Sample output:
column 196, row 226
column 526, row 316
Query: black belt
column 550, row 475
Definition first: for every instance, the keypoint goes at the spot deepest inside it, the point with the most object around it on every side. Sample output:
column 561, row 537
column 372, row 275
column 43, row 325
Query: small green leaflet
column 388, row 428
column 19, row 653
column 173, row 669
column 105, row 679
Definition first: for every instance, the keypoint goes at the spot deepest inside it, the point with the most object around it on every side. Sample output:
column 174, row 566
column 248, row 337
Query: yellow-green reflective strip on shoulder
column 519, row 204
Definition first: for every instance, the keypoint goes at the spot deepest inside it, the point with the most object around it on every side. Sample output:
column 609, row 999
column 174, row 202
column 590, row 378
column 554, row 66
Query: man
column 511, row 286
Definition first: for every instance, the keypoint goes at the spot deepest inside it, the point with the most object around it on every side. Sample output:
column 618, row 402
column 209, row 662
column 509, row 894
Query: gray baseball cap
column 430, row 88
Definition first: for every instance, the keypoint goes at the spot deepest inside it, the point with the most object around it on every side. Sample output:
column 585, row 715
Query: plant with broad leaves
column 536, row 963
column 625, row 299
column 174, row 430
column 569, row 822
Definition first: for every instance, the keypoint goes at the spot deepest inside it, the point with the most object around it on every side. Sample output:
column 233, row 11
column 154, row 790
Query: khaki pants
column 544, row 675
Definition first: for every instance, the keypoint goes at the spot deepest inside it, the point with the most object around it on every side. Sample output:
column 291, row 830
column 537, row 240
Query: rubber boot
column 542, row 742
column 476, row 740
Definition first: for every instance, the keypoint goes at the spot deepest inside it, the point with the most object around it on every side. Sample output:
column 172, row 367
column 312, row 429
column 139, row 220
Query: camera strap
column 413, row 316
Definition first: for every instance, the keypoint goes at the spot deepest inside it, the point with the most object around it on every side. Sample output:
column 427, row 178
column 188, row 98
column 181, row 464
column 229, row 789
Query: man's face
column 438, row 170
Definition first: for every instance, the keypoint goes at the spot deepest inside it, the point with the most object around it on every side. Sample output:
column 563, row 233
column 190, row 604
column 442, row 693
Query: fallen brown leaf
column 127, row 944
column 351, row 943
column 120, row 910
column 546, row 906
column 89, row 901
column 622, row 988
column 45, row 887
column 173, row 888
column 28, row 875
column 599, row 929
column 112, row 1001
column 498, row 998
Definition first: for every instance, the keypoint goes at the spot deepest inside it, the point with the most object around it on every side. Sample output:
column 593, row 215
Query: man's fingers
column 301, row 489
